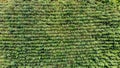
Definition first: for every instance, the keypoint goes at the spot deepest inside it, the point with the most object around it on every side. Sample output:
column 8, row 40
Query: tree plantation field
column 59, row 34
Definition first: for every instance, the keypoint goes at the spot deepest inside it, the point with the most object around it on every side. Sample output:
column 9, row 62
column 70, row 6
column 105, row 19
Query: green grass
column 60, row 34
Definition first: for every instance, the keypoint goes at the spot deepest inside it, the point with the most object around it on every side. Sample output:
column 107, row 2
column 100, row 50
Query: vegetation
column 59, row 34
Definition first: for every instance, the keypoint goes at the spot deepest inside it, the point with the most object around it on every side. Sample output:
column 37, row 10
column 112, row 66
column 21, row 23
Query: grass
column 60, row 34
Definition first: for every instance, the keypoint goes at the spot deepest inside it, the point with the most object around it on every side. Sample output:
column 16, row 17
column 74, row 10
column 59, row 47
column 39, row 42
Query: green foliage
column 60, row 33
